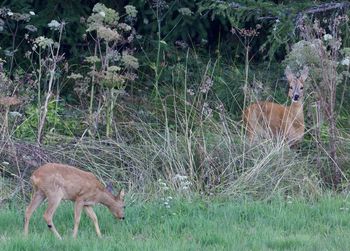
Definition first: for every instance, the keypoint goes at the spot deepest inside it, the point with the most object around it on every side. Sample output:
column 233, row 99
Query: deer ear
column 289, row 74
column 304, row 74
column 121, row 194
column 109, row 187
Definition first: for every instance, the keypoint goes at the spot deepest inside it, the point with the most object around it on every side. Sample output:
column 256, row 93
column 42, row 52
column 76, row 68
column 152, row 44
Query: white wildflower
column 75, row 76
column 327, row 37
column 345, row 61
column 32, row 13
column 15, row 114
column 185, row 11
column 180, row 177
column 102, row 13
column 54, row 25
column 190, row 92
column 130, row 10
column 10, row 13
column 92, row 59
column 27, row 54
column 113, row 68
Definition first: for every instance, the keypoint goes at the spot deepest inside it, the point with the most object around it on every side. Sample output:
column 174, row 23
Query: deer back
column 72, row 182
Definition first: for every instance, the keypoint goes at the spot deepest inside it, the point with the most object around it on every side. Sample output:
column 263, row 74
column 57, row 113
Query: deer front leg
column 90, row 212
column 77, row 214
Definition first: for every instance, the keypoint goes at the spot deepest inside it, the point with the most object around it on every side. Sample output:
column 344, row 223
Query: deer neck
column 106, row 199
column 296, row 110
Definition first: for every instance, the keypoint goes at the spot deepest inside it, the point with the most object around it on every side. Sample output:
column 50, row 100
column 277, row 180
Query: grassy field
column 191, row 225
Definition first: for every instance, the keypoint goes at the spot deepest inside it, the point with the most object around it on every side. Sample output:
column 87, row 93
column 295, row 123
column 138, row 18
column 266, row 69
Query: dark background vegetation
column 207, row 30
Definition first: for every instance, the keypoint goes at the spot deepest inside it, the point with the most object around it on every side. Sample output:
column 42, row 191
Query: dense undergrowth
column 159, row 115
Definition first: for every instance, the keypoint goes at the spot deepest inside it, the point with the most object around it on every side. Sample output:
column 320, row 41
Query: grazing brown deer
column 58, row 182
column 268, row 119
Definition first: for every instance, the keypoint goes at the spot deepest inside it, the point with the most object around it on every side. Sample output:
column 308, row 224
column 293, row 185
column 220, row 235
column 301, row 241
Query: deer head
column 116, row 208
column 296, row 85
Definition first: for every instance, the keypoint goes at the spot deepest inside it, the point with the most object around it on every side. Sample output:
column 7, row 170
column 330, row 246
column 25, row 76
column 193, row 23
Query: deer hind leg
column 38, row 197
column 53, row 202
column 90, row 212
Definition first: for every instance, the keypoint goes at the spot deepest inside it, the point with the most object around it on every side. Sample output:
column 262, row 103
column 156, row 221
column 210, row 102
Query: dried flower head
column 43, row 42
column 124, row 27
column 30, row 28
column 92, row 59
column 206, row 110
column 159, row 4
column 181, row 44
column 108, row 34
column 113, row 68
column 205, row 87
column 130, row 61
column 19, row 16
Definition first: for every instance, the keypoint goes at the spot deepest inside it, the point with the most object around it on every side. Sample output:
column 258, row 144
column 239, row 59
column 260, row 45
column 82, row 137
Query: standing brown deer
column 268, row 119
column 58, row 182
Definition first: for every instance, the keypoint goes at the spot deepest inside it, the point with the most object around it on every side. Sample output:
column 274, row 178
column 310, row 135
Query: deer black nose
column 296, row 97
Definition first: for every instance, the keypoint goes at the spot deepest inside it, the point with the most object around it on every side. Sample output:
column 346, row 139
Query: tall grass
column 188, row 146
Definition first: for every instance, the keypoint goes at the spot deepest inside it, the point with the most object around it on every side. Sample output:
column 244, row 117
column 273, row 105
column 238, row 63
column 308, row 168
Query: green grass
column 191, row 225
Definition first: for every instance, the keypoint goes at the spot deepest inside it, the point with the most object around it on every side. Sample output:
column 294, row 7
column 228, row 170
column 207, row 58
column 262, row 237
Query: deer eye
column 301, row 88
column 290, row 87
